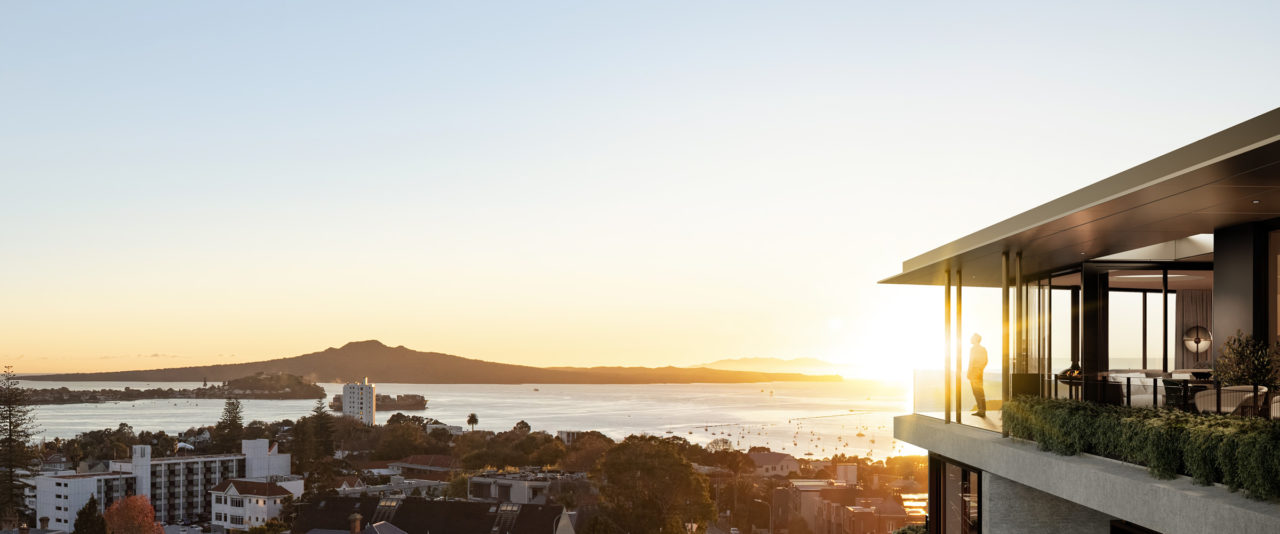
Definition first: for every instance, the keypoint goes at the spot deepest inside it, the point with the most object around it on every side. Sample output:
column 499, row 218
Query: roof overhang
column 1228, row 178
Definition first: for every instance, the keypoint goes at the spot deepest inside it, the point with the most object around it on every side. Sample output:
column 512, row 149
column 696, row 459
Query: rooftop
column 93, row 475
column 252, row 487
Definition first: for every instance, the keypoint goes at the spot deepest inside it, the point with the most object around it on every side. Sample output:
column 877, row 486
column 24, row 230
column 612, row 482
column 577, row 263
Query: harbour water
column 797, row 418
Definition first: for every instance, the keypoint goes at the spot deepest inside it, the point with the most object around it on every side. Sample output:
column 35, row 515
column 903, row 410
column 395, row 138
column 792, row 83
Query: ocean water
column 816, row 418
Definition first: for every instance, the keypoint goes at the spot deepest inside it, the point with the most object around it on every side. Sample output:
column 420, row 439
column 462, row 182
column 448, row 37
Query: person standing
column 978, row 363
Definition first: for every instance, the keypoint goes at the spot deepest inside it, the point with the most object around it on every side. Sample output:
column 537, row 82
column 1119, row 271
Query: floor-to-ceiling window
column 956, row 502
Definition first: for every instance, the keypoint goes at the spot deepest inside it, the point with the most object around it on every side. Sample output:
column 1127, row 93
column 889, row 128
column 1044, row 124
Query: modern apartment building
column 360, row 401
column 1120, row 293
column 179, row 486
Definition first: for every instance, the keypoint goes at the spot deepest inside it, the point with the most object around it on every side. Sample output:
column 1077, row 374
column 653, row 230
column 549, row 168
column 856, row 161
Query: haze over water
column 798, row 418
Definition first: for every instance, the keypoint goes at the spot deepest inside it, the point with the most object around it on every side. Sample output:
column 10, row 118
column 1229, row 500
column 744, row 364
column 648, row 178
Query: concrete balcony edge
column 1115, row 488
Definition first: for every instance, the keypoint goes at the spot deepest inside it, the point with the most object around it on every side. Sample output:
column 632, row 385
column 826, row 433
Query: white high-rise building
column 360, row 401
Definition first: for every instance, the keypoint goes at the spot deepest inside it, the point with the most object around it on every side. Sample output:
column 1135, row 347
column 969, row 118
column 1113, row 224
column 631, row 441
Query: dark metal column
column 1075, row 326
column 1004, row 331
column 1094, row 355
column 1164, row 294
column 1048, row 353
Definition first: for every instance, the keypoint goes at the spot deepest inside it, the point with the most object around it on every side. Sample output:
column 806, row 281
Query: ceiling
column 1229, row 178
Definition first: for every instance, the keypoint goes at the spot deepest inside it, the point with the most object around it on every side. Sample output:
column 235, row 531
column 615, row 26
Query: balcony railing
column 1190, row 395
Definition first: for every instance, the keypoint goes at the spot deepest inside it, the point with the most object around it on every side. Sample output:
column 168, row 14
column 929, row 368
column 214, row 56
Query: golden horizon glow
column 610, row 185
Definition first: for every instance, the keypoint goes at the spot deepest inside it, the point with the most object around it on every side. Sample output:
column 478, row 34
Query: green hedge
column 1240, row 452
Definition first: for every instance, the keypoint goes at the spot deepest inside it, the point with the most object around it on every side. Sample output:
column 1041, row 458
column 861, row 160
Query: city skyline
column 598, row 186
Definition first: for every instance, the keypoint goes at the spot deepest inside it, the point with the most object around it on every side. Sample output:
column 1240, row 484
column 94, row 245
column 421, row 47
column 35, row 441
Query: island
column 270, row 386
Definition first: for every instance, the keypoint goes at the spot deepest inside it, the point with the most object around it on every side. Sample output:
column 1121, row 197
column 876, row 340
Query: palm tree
column 473, row 421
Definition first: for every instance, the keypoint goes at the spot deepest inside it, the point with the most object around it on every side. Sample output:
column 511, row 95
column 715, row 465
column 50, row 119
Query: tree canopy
column 89, row 520
column 648, row 486
column 132, row 515
column 230, row 428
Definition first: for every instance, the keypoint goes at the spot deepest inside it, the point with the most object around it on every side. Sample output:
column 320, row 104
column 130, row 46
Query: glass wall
column 958, row 496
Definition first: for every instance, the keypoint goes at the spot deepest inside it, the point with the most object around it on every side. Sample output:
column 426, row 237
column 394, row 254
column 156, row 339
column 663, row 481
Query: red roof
column 250, row 487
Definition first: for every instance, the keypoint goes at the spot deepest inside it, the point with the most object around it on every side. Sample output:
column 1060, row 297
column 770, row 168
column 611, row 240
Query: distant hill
column 381, row 363
column 778, row 365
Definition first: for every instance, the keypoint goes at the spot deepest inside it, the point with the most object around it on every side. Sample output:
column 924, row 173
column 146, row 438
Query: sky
column 593, row 183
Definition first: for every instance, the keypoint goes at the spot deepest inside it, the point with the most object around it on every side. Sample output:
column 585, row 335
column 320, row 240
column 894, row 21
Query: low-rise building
column 243, row 504
column 396, row 486
column 774, row 464
column 523, row 487
column 179, row 486
column 426, row 467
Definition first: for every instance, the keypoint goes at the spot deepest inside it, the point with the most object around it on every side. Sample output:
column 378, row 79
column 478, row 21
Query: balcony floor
column 991, row 421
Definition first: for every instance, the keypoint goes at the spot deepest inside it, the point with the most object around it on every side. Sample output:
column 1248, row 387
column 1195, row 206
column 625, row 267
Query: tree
column 1248, row 361
column 522, row 427
column 399, row 441
column 720, row 444
column 17, row 426
column 230, row 428
column 132, row 515
column 586, row 451
column 458, row 487
column 89, row 520
column 322, row 429
column 646, row 484
column 473, row 421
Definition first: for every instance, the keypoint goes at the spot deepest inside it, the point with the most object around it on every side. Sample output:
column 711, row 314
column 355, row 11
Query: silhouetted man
column 977, row 363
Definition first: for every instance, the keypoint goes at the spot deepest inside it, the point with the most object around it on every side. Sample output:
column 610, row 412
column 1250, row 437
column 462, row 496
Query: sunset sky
column 643, row 183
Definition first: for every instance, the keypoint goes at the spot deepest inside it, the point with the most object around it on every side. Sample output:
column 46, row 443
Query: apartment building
column 1121, row 293
column 360, row 400
column 180, row 487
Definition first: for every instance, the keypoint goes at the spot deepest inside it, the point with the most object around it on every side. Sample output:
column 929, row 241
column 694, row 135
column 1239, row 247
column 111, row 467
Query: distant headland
column 381, row 363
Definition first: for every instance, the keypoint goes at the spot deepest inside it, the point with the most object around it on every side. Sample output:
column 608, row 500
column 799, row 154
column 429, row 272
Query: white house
column 243, row 504
column 774, row 464
column 359, row 400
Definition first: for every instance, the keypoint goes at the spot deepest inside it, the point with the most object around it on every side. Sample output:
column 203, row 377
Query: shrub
column 1236, row 451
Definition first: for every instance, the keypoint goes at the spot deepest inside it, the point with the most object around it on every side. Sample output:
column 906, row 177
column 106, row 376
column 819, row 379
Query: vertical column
column 1164, row 299
column 1004, row 330
column 946, row 348
column 959, row 335
column 1048, row 353
column 1075, row 325
column 1094, row 354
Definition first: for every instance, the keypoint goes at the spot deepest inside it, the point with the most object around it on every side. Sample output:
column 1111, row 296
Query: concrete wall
column 1118, row 489
column 1240, row 282
column 1012, row 508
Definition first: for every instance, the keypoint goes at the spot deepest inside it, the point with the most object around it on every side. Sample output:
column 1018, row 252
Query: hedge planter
column 1239, row 452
